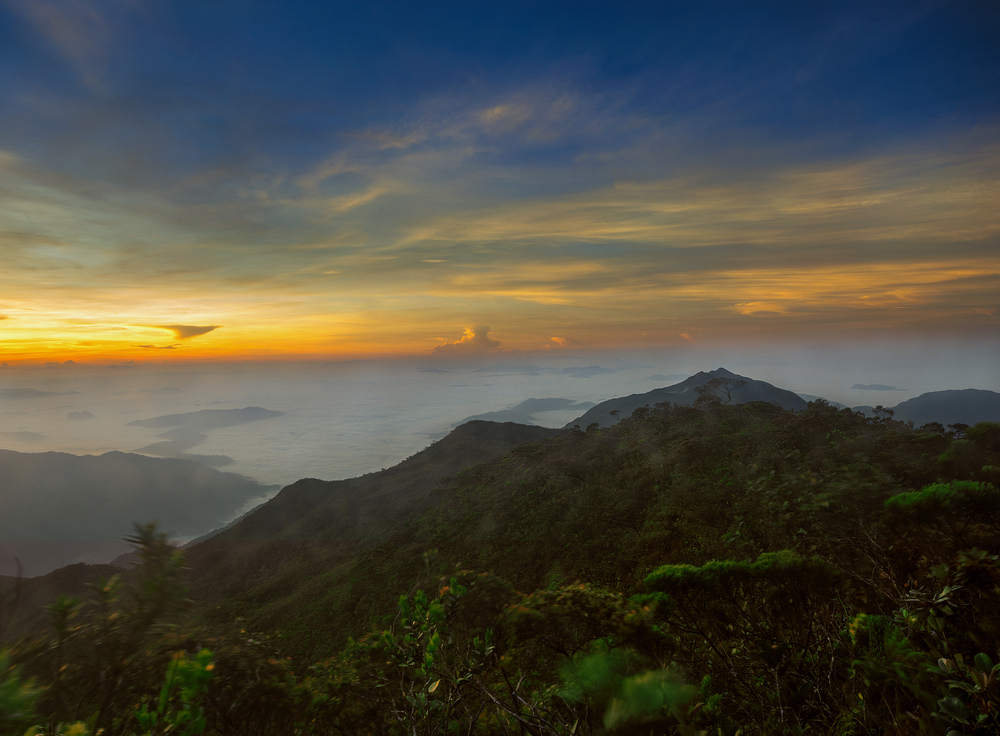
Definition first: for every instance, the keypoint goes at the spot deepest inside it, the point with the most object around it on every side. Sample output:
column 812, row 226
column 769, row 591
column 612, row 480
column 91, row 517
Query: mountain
column 751, row 526
column 59, row 509
column 524, row 413
column 185, row 434
column 368, row 506
column 321, row 559
column 292, row 558
column 965, row 406
column 208, row 418
column 31, row 393
column 279, row 562
column 684, row 394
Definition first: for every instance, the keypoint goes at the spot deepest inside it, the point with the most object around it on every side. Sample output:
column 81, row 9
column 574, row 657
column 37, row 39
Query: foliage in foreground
column 749, row 572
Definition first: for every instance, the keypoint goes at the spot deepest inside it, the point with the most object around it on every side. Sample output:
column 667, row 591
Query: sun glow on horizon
column 609, row 208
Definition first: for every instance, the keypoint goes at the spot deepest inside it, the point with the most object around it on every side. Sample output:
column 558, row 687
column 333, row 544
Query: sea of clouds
column 343, row 419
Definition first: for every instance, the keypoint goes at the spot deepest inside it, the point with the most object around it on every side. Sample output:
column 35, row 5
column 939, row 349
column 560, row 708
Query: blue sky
column 353, row 179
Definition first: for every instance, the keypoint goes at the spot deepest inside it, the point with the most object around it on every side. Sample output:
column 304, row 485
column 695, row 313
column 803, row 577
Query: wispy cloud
column 84, row 31
column 547, row 204
column 186, row 332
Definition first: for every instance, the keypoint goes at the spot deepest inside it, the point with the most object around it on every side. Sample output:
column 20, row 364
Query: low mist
column 275, row 423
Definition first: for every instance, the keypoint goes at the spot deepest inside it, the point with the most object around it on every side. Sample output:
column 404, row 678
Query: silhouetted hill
column 368, row 506
column 965, row 406
column 31, row 393
column 290, row 559
column 526, row 411
column 323, row 559
column 208, row 418
column 684, row 394
column 22, row 600
column 83, row 504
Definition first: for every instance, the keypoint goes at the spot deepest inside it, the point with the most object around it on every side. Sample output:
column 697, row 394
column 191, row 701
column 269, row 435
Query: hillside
column 685, row 394
column 370, row 506
column 288, row 564
column 723, row 567
column 22, row 601
column 602, row 506
column 93, row 500
column 966, row 406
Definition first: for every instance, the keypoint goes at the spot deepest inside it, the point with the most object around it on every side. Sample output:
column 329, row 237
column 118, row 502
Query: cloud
column 476, row 340
column 184, row 332
column 568, row 342
column 83, row 31
column 159, row 347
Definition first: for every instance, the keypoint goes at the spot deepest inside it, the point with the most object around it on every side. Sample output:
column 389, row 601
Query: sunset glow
column 608, row 191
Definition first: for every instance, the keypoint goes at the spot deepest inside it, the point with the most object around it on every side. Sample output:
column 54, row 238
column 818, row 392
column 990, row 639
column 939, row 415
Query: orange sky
column 823, row 185
column 902, row 243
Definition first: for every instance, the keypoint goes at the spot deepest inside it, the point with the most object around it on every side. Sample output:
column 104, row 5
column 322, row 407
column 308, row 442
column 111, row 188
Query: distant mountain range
column 208, row 418
column 185, row 435
column 89, row 501
column 295, row 551
column 526, row 411
column 31, row 393
column 76, row 508
column 684, row 394
column 965, row 406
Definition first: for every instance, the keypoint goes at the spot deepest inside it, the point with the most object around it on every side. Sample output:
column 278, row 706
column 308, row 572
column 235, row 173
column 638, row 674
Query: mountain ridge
column 684, row 394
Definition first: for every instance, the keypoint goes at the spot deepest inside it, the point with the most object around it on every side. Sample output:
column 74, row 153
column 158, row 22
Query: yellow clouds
column 475, row 341
column 906, row 240
column 912, row 199
column 406, row 233
column 186, row 332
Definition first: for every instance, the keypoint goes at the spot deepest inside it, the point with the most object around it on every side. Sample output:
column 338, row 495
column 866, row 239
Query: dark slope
column 967, row 406
column 526, row 411
column 369, row 506
column 22, row 601
column 684, row 394
column 680, row 484
column 288, row 565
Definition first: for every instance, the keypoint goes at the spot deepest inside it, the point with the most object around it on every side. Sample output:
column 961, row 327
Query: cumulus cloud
column 184, row 332
column 475, row 340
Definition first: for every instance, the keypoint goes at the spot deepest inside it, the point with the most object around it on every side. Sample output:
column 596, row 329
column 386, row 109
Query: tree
column 721, row 387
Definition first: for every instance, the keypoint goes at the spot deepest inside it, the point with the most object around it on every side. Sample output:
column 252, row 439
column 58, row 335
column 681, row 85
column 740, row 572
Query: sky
column 257, row 180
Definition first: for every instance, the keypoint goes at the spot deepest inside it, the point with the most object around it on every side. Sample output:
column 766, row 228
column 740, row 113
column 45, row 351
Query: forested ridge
column 714, row 569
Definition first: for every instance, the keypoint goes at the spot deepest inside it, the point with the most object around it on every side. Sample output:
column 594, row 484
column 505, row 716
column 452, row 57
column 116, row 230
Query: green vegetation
column 712, row 570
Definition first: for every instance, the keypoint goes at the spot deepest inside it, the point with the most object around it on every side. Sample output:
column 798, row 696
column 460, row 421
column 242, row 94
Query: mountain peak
column 685, row 393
